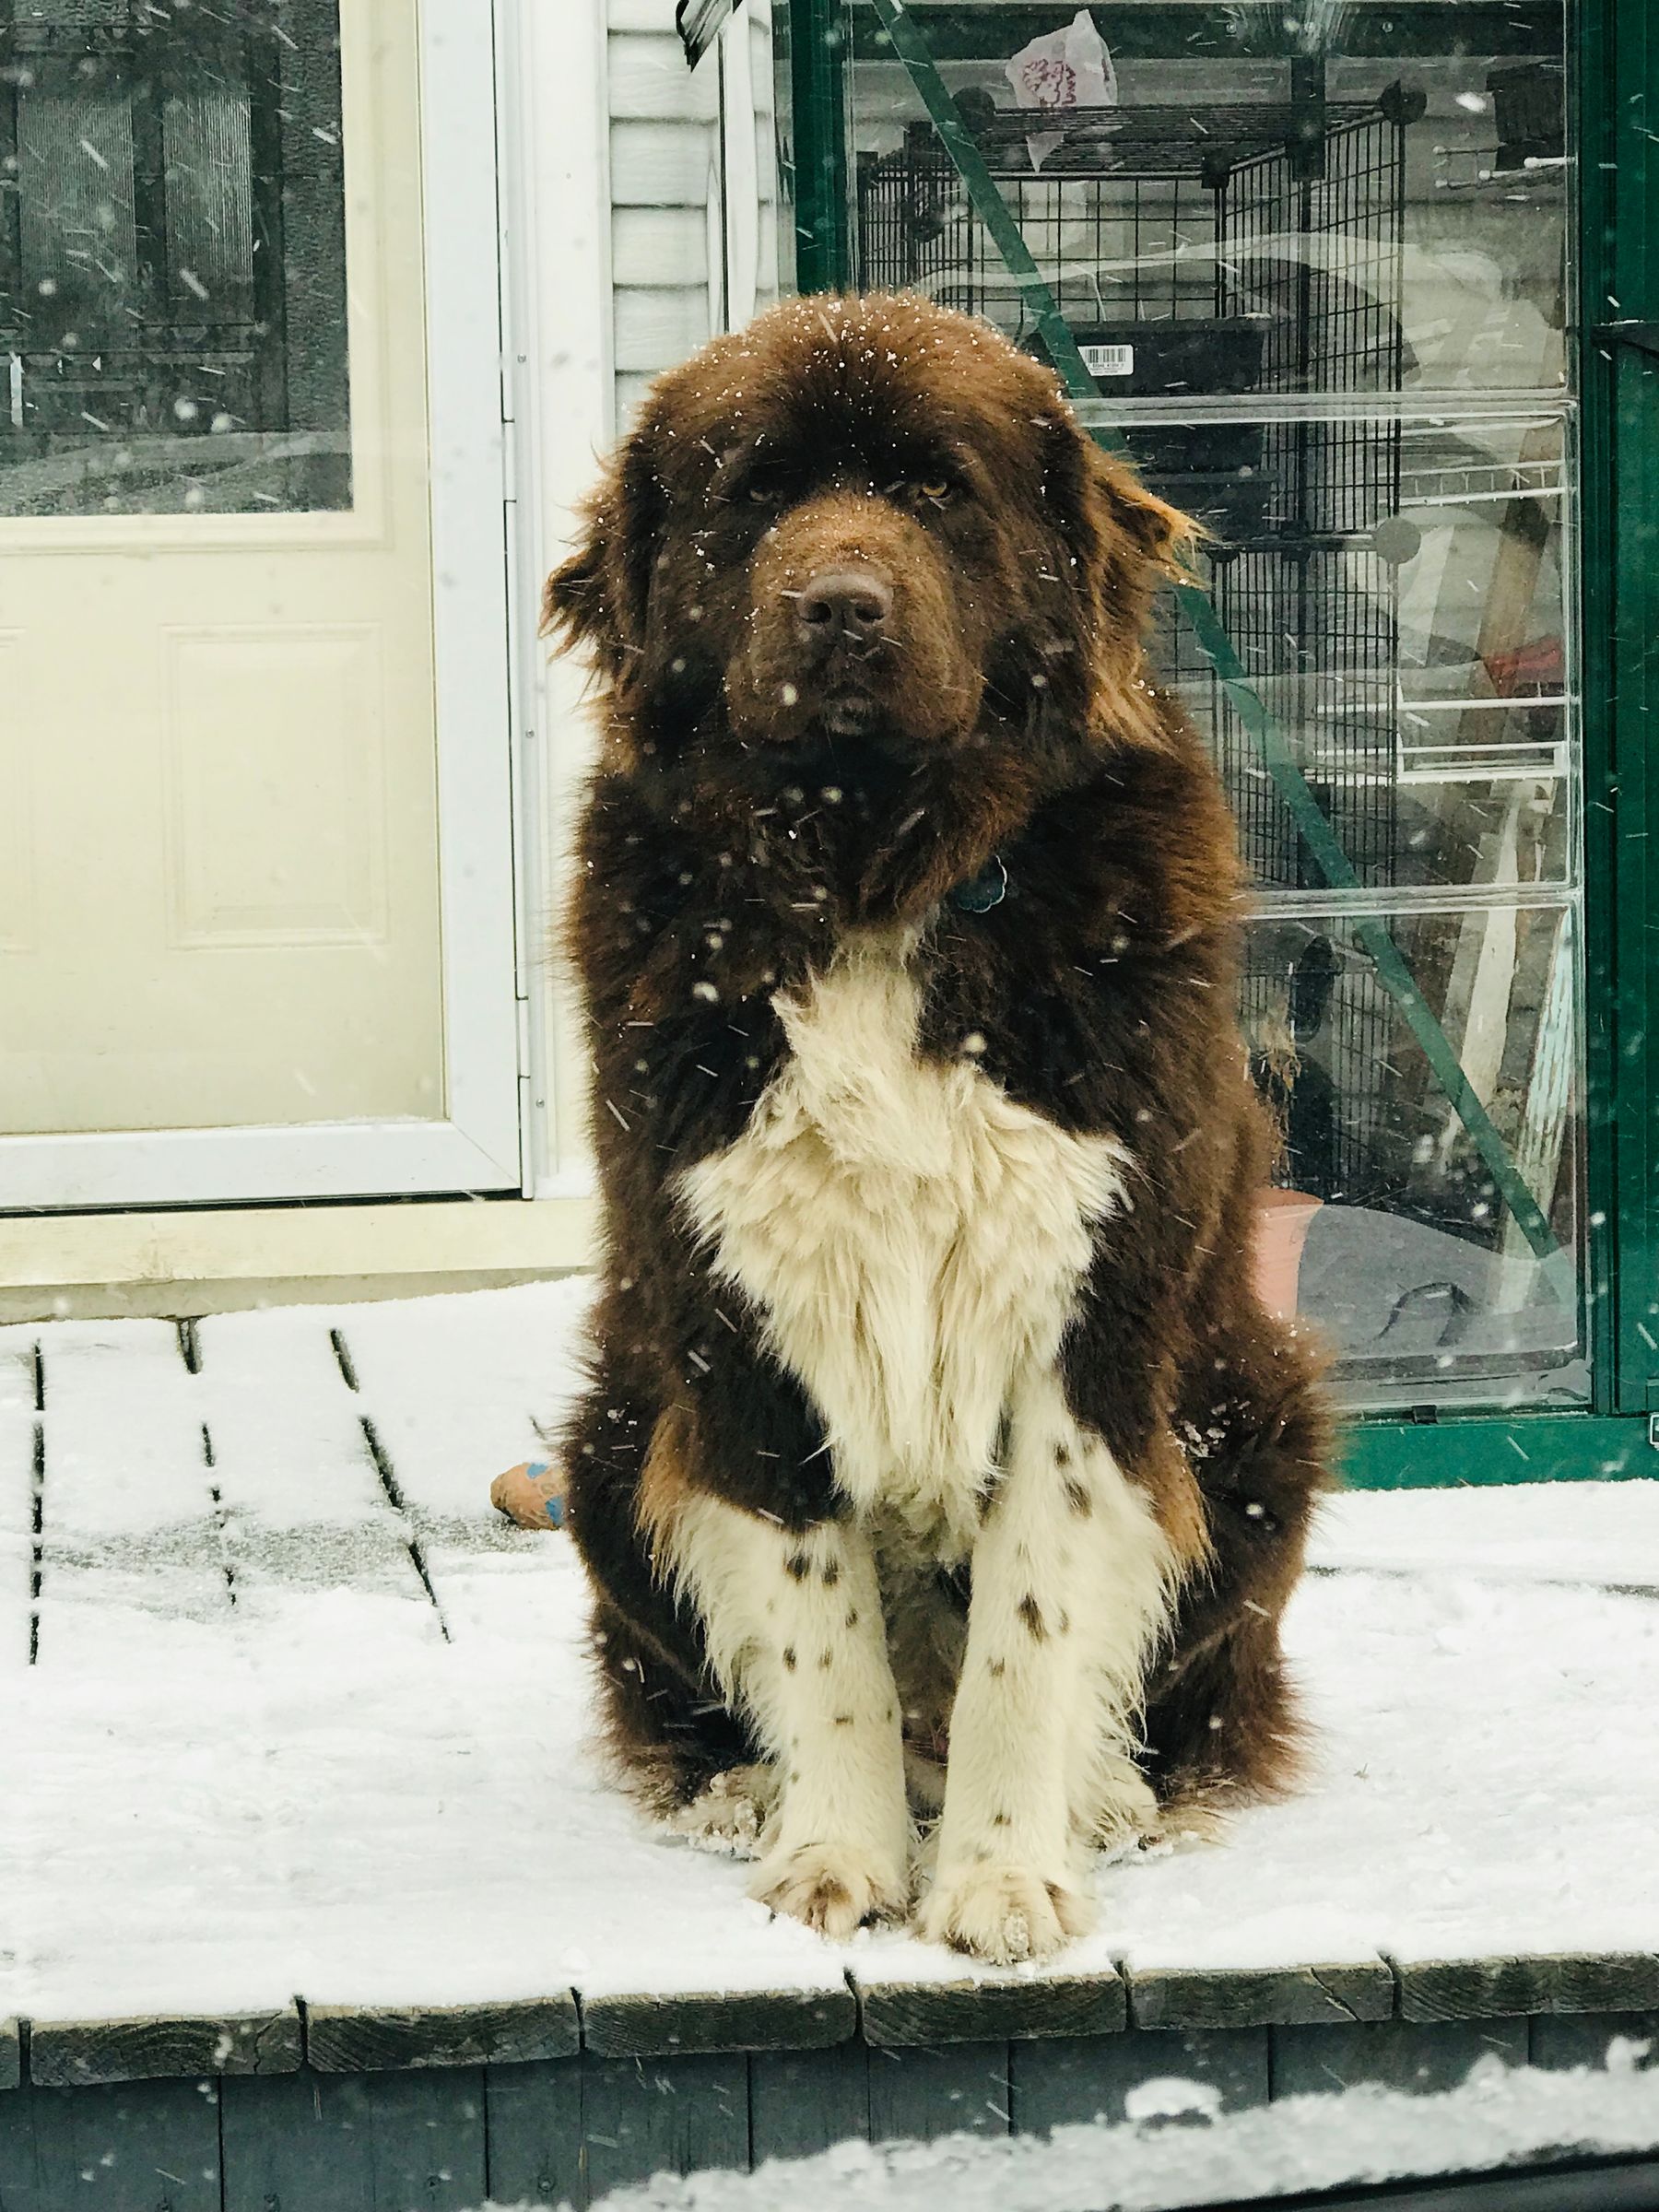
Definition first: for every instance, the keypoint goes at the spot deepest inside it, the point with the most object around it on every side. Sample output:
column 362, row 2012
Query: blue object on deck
column 533, row 1472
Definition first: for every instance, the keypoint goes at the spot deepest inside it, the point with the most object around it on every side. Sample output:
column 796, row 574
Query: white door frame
column 556, row 161
column 479, row 1147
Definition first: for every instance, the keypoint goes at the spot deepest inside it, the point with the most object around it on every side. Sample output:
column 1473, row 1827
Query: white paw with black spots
column 833, row 1887
column 1004, row 1914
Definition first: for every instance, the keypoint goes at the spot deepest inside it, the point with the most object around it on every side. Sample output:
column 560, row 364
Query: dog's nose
column 851, row 603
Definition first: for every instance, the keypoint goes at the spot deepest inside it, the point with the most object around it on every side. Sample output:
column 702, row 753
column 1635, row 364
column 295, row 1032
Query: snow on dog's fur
column 928, row 1211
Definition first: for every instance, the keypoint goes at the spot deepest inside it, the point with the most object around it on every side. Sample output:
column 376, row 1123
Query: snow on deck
column 294, row 1712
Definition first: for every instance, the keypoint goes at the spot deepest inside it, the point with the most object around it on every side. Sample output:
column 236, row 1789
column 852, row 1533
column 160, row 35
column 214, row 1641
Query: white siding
column 655, row 247
column 668, row 250
column 664, row 141
column 648, row 79
column 658, row 325
column 660, row 164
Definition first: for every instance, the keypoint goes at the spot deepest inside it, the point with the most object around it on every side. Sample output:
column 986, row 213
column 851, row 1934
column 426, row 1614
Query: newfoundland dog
column 938, row 1458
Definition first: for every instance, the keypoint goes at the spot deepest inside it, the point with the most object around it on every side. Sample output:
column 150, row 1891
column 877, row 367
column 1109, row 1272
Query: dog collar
column 983, row 891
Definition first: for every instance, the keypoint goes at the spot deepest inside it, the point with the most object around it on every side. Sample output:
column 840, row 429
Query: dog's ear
column 1122, row 541
column 1101, row 506
column 1168, row 538
column 601, row 595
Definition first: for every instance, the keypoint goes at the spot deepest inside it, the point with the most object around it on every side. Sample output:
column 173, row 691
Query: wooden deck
column 311, row 1901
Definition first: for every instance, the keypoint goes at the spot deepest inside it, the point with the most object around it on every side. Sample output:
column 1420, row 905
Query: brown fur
column 756, row 803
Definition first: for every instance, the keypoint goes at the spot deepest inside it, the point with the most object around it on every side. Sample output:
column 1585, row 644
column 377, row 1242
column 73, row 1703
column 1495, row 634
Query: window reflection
column 173, row 301
column 1414, row 1266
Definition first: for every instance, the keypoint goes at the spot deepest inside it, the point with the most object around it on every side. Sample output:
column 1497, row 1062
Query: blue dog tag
column 983, row 891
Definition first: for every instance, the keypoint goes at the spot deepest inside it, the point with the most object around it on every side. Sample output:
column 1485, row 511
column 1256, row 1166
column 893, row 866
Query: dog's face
column 868, row 524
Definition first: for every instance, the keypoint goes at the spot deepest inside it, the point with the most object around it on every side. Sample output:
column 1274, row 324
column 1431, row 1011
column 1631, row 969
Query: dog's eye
column 761, row 495
column 937, row 489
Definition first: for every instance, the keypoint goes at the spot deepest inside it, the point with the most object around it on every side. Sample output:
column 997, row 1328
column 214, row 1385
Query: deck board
column 918, row 2094
column 802, row 2101
column 107, row 2146
column 445, row 1443
column 130, row 1568
column 535, row 2134
column 343, row 2038
column 306, row 1511
column 645, row 2116
column 69, row 2055
column 758, row 2020
column 376, row 2142
column 1495, row 1988
column 1563, row 2039
column 1391, row 2054
column 962, row 2008
column 1261, row 1996
column 1076, row 2080
column 18, row 1422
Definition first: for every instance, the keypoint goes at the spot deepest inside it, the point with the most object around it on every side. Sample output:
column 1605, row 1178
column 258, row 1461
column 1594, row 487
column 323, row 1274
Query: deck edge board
column 1529, row 1984
column 707, row 2023
column 361, row 2038
column 1341, row 1993
column 891, row 2014
column 69, row 2055
column 898, row 2016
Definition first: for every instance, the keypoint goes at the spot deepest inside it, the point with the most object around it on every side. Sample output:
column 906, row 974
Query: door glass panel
column 244, row 765
column 1316, row 262
column 173, row 290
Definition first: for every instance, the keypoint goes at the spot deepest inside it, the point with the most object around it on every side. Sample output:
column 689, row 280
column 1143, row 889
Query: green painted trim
column 1482, row 1450
column 1619, row 240
column 817, row 43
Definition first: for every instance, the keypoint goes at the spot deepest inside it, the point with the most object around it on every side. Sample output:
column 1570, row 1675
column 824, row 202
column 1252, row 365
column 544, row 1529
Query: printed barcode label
column 1108, row 360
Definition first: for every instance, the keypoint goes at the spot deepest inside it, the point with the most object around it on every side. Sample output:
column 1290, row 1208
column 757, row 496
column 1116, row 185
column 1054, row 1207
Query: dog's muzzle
column 844, row 610
column 842, row 620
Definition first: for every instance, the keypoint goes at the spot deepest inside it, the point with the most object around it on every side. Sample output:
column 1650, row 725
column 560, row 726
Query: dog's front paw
column 833, row 1887
column 729, row 1814
column 1007, row 1914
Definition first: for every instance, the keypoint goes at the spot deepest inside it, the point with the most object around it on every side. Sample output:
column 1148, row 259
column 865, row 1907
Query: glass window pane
column 172, row 291
column 1314, row 260
column 1397, row 591
column 1416, row 1267
column 1261, row 198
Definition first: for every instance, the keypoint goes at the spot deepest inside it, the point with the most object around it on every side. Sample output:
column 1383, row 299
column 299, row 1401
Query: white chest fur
column 915, row 1237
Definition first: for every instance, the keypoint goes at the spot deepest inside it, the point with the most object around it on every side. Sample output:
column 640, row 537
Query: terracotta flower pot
column 1283, row 1219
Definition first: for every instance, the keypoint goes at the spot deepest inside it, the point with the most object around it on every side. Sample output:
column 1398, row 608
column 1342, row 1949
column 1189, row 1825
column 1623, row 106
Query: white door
column 256, row 918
